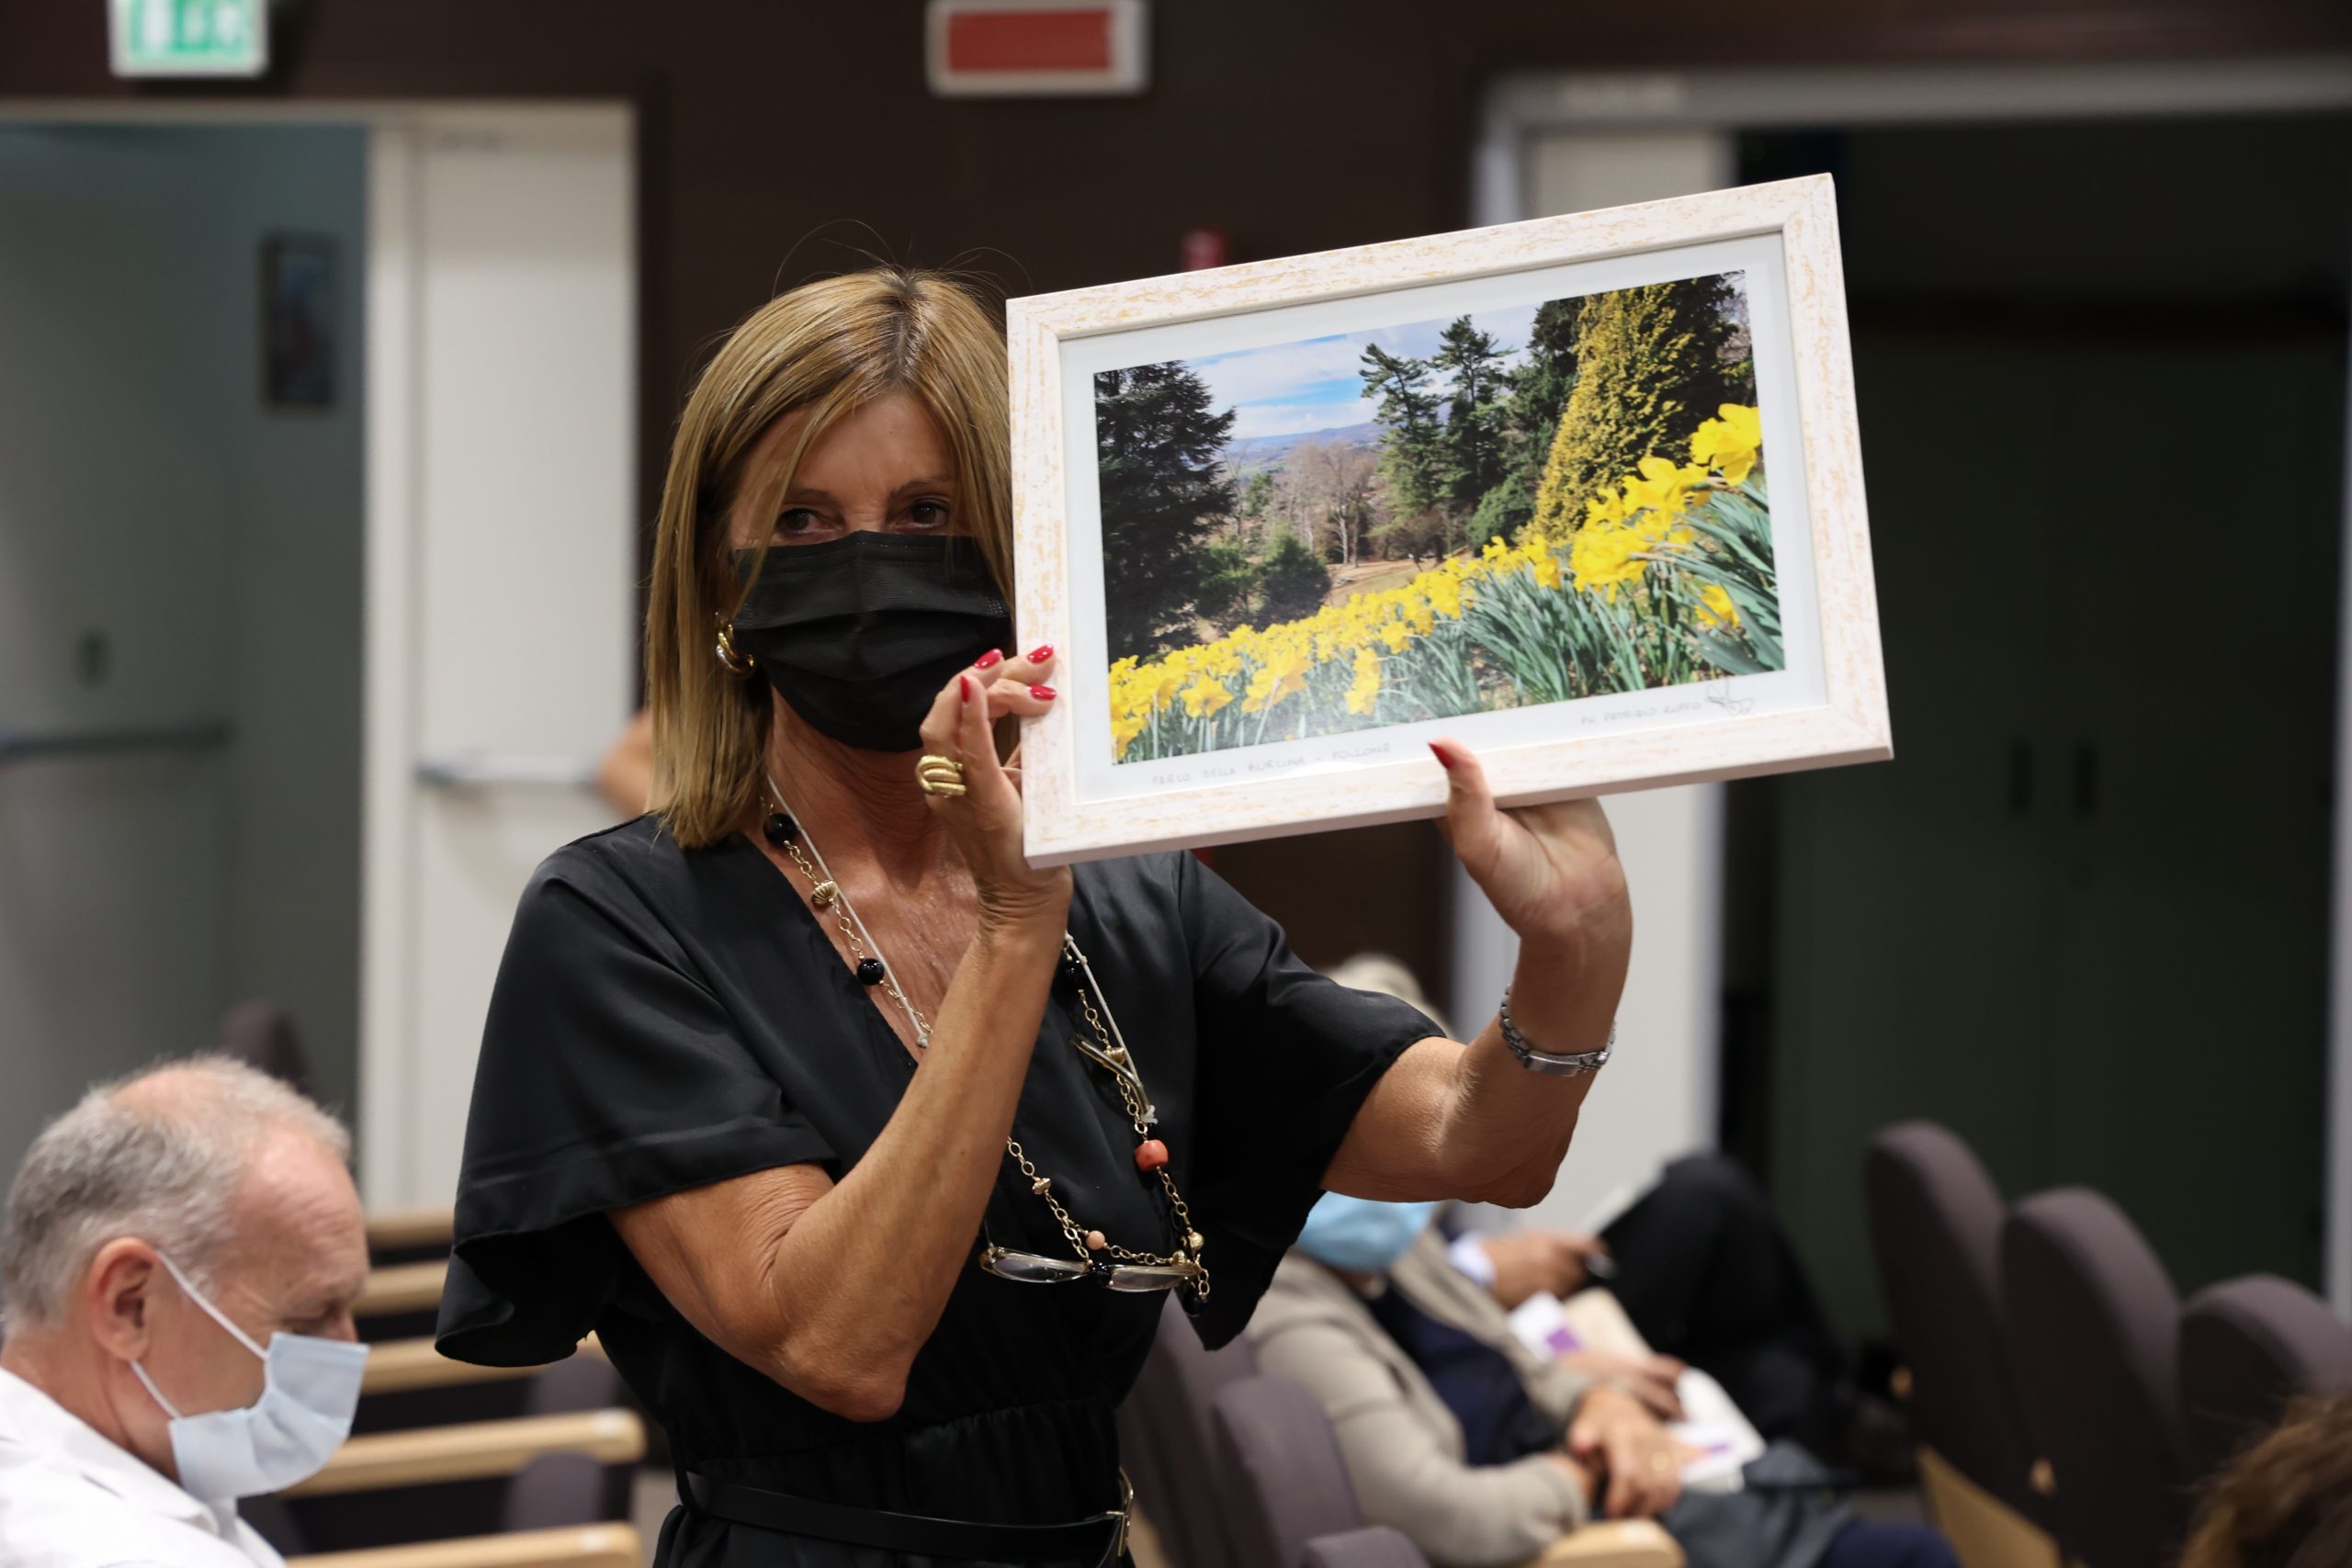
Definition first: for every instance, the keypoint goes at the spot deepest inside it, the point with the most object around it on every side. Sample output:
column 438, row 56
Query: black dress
column 666, row 1018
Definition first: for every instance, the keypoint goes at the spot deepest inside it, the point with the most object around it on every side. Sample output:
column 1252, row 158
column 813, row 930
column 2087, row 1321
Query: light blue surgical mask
column 1360, row 1235
column 310, row 1390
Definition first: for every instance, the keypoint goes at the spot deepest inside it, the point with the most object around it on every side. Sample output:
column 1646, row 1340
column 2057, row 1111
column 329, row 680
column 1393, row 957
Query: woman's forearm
column 1507, row 1128
column 1466, row 1120
column 860, row 1278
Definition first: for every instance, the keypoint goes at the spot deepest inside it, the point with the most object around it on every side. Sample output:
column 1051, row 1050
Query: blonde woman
column 867, row 1148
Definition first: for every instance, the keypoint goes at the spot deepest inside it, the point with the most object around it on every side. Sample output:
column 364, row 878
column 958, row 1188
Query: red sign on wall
column 1029, row 48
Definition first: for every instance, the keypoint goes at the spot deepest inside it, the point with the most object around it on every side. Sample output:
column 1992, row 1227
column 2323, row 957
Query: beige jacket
column 1403, row 1446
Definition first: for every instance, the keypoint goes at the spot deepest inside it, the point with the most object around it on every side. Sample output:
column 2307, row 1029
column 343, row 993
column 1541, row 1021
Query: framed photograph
column 298, row 322
column 1584, row 493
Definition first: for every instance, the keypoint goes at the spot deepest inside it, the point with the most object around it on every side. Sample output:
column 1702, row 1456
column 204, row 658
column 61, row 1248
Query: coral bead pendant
column 1150, row 1154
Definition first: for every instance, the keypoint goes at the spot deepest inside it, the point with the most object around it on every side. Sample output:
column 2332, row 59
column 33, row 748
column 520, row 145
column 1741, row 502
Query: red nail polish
column 1442, row 760
column 1042, row 652
column 988, row 660
column 1042, row 694
column 964, row 687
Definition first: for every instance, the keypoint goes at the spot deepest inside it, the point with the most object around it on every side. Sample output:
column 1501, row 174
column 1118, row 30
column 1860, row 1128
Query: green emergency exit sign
column 191, row 37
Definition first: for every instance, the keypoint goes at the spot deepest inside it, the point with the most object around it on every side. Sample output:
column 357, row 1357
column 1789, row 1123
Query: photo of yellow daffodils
column 1378, row 574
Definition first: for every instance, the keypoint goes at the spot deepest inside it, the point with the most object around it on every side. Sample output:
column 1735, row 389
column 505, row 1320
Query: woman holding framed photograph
column 867, row 1147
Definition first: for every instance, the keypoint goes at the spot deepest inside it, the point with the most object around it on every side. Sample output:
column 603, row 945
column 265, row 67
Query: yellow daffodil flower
column 1716, row 607
column 1729, row 442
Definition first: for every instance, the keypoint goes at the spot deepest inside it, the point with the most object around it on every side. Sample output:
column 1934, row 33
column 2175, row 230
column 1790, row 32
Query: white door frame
column 1523, row 105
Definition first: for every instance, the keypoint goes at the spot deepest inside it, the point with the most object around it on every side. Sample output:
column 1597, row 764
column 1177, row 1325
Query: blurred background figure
column 1706, row 1275
column 1483, row 1451
column 2286, row 1500
column 331, row 412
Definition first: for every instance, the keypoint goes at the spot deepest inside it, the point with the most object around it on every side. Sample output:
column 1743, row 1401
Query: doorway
column 2040, row 258
column 307, row 653
column 2083, row 919
column 180, row 596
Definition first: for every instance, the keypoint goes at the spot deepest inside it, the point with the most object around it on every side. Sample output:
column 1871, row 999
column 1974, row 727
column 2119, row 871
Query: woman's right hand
column 984, row 821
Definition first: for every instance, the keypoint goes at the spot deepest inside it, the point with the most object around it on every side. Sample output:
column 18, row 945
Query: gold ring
column 940, row 775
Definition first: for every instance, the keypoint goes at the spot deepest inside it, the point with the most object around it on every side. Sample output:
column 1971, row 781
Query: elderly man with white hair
column 181, row 1252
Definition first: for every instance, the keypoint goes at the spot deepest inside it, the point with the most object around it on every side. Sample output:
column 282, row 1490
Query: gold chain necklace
column 1107, row 1050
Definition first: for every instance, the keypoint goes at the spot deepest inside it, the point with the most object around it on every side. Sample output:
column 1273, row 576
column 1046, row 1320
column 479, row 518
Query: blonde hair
column 829, row 347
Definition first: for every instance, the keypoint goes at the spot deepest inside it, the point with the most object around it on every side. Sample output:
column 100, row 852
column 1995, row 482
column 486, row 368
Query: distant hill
column 1268, row 451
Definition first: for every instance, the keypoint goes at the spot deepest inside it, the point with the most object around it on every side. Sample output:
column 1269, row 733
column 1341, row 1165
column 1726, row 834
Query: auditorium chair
column 1289, row 1502
column 408, row 1235
column 1934, row 1222
column 260, row 1034
column 409, row 1383
column 1168, row 1442
column 401, row 1300
column 580, row 1546
column 2095, row 1323
column 472, row 1479
column 2247, row 1348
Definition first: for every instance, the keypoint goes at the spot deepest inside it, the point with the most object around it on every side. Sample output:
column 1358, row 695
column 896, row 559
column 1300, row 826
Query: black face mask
column 859, row 632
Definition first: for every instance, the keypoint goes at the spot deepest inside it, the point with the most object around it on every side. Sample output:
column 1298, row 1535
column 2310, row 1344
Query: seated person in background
column 1482, row 1453
column 2286, row 1502
column 625, row 775
column 181, row 1252
column 1700, row 1263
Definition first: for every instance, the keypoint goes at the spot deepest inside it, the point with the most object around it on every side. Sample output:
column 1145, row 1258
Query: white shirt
column 71, row 1499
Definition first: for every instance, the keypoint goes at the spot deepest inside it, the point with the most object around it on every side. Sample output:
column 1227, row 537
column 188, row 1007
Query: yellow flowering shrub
column 1408, row 652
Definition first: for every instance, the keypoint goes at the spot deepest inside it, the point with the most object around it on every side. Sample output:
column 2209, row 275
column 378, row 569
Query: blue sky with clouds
column 1296, row 389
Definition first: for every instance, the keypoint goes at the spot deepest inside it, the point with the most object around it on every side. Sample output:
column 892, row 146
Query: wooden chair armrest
column 472, row 1450
column 398, row 1366
column 391, row 1228
column 578, row 1546
column 404, row 1287
column 1595, row 1317
column 1615, row 1543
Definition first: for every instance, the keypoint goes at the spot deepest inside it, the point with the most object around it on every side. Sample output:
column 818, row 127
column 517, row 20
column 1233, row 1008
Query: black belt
column 1101, row 1539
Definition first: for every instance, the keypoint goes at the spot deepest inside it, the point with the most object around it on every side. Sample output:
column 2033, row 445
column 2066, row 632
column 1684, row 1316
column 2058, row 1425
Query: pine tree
column 1652, row 363
column 1471, row 448
column 1540, row 385
column 1159, row 447
column 1293, row 582
column 1411, row 436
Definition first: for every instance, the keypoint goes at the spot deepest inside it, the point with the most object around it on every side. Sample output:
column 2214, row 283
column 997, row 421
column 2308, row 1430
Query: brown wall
column 770, row 125
column 1296, row 126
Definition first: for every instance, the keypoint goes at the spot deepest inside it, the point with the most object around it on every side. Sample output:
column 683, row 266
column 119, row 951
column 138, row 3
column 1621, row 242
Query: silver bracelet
column 1536, row 1061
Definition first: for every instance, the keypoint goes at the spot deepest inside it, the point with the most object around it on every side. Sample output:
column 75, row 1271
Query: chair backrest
column 1285, row 1482
column 2247, row 1347
column 1934, row 1219
column 403, row 1301
column 1379, row 1546
column 260, row 1034
column 1167, row 1442
column 2095, row 1326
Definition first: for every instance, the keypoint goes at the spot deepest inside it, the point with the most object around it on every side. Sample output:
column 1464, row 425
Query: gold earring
column 739, row 665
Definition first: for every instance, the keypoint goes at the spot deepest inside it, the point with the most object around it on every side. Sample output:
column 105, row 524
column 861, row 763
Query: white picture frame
column 1824, row 705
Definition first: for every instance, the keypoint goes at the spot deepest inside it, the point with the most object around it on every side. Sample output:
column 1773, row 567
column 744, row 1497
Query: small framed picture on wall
column 1584, row 493
column 298, row 322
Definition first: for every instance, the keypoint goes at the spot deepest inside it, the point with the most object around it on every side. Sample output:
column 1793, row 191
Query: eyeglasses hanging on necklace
column 1096, row 1259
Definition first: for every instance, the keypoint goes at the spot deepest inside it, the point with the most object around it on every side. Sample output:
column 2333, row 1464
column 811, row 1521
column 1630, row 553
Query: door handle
column 472, row 770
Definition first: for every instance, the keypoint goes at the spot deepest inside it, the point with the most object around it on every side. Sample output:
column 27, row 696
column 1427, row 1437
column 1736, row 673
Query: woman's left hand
column 1550, row 871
